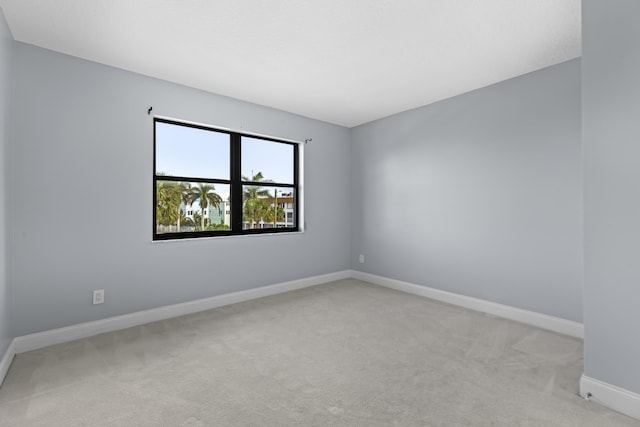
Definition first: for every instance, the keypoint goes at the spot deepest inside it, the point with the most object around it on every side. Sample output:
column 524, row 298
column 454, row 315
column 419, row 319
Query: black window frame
column 235, row 183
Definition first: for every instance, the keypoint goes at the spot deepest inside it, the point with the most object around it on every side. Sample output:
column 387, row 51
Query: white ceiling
column 342, row 61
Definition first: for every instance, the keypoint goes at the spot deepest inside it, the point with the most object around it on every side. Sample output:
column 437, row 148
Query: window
column 211, row 182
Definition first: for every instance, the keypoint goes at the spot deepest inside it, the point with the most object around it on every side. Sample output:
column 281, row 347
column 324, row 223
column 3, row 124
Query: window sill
column 235, row 236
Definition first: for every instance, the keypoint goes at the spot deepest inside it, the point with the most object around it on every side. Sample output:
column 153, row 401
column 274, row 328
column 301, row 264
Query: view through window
column 212, row 182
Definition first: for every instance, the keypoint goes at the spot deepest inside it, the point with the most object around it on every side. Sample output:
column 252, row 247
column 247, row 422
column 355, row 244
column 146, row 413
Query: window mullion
column 236, row 183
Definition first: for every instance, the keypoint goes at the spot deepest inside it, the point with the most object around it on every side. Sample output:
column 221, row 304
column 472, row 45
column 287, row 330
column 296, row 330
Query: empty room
column 305, row 213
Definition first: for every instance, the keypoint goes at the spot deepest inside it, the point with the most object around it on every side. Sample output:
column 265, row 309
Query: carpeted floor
column 341, row 354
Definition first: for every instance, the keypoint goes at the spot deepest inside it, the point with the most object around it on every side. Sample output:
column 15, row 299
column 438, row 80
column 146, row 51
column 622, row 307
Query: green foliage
column 188, row 222
column 255, row 207
column 167, row 203
column 169, row 198
column 254, row 210
column 274, row 214
column 217, row 227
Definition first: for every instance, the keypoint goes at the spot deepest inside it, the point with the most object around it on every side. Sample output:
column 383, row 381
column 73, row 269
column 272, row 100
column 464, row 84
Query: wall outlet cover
column 98, row 296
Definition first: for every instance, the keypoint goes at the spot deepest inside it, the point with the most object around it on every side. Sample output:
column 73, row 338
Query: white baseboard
column 555, row 324
column 84, row 330
column 6, row 360
column 616, row 398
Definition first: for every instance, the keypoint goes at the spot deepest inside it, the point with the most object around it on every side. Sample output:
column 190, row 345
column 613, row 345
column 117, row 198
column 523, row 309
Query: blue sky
column 198, row 153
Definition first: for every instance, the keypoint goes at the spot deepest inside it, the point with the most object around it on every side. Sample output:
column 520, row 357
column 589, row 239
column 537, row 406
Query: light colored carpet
column 341, row 354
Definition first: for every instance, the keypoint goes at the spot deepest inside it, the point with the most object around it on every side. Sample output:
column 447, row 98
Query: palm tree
column 254, row 205
column 254, row 210
column 275, row 212
column 206, row 196
column 167, row 204
column 196, row 220
column 183, row 191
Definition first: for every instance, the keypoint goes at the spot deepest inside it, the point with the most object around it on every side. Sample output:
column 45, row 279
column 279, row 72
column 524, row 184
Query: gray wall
column 6, row 79
column 83, row 196
column 479, row 194
column 611, row 153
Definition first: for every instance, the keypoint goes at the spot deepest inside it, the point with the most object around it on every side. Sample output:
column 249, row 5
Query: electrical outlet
column 361, row 259
column 98, row 296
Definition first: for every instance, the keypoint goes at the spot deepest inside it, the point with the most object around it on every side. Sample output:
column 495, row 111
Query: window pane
column 196, row 206
column 191, row 152
column 267, row 207
column 267, row 160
